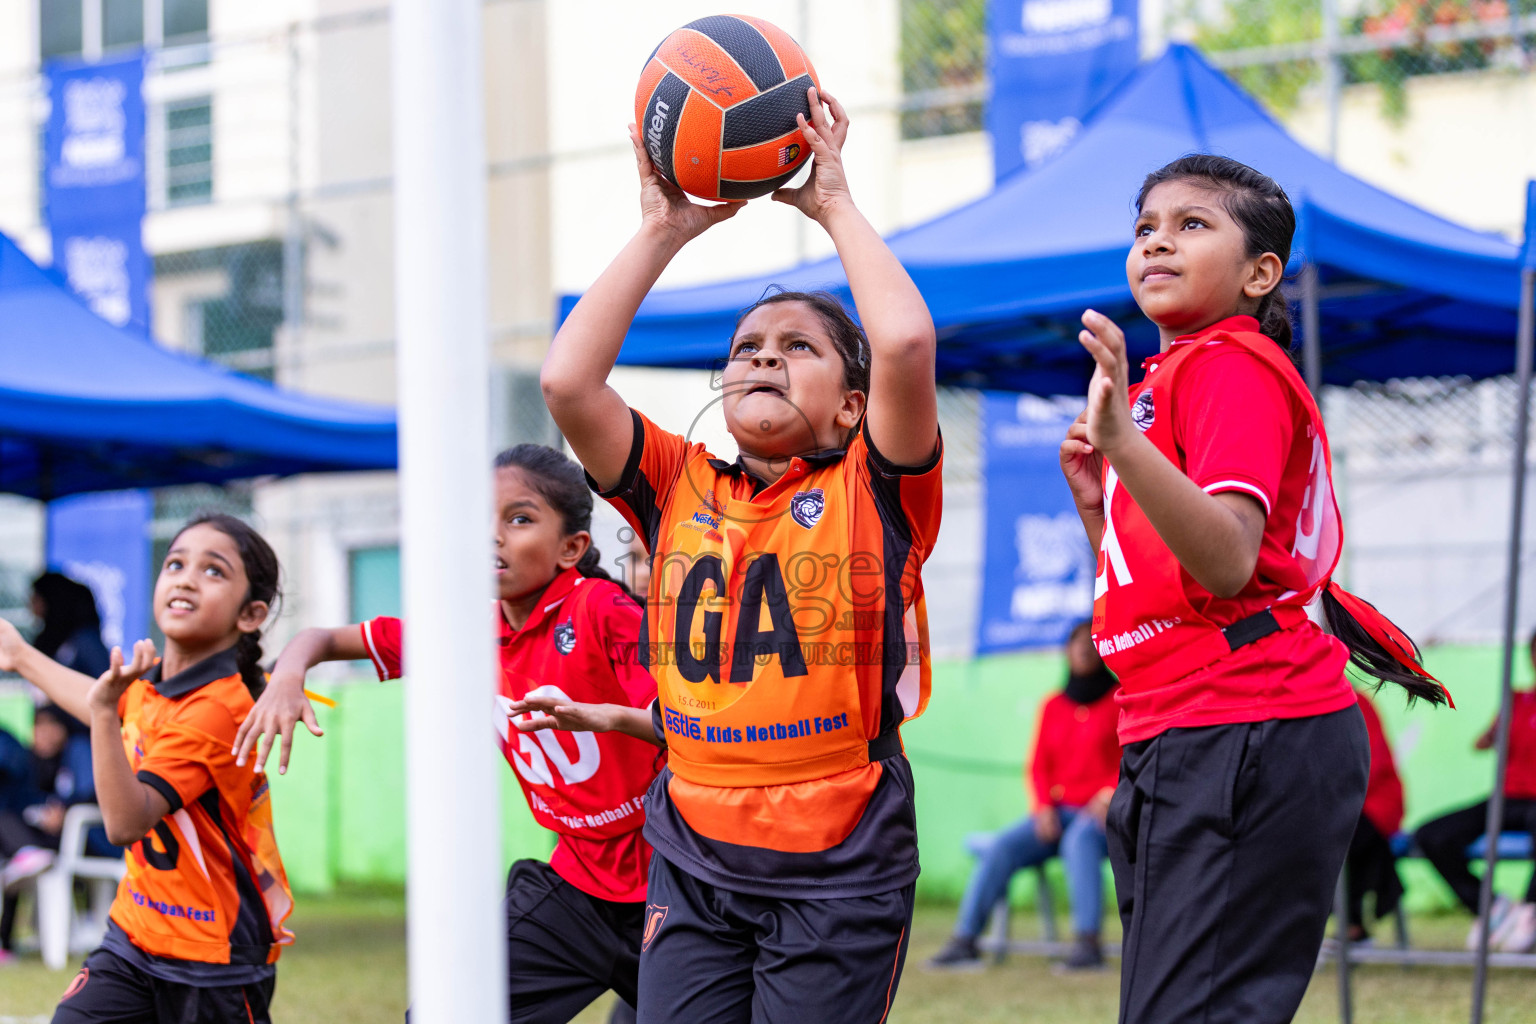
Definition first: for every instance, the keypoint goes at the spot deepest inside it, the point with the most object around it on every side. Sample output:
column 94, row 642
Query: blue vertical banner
column 93, row 177
column 94, row 181
column 1051, row 61
column 102, row 540
column 1037, row 578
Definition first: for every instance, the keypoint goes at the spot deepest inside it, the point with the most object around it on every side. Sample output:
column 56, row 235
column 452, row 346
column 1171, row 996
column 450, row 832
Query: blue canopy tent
column 85, row 406
column 1401, row 292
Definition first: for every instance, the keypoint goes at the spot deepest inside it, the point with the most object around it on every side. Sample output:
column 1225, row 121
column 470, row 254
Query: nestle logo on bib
column 1142, row 413
column 565, row 638
column 807, row 506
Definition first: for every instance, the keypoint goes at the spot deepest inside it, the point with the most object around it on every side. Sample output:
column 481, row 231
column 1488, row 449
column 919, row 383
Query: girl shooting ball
column 785, row 618
column 1209, row 500
column 565, row 632
column 197, row 925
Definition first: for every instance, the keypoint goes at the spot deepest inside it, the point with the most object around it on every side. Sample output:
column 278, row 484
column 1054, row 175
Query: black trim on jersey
column 640, row 495
column 631, row 464
column 745, row 45
column 885, row 485
column 774, row 110
column 210, row 669
column 162, row 787
column 250, row 937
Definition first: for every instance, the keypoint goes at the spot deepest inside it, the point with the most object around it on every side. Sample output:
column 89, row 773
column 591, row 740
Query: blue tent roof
column 1404, row 292
column 85, row 406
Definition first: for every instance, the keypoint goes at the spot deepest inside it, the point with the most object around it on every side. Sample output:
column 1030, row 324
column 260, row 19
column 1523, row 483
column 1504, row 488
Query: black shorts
column 110, row 990
column 564, row 947
column 1227, row 843
column 712, row 956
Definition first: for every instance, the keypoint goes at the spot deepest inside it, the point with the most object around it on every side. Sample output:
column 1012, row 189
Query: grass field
column 348, row 967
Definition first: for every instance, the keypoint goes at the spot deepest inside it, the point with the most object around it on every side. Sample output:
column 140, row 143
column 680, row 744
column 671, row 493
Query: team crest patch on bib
column 565, row 638
column 1142, row 413
column 807, row 506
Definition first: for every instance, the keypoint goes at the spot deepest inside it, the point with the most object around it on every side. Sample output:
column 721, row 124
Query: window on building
column 65, row 30
column 373, row 576
column 224, row 303
column 122, row 23
column 60, row 28
column 188, row 152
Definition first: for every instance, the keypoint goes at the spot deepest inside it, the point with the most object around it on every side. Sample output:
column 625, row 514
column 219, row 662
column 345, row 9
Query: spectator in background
column 1445, row 839
column 1371, row 864
column 37, row 786
column 1075, row 767
column 71, row 633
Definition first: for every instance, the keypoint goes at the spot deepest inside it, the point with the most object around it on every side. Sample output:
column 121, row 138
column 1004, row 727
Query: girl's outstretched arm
column 591, row 415
column 129, row 808
column 282, row 705
column 573, row 716
column 1215, row 537
column 64, row 686
column 903, row 412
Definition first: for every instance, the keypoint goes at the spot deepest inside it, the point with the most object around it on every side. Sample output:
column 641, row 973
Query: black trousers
column 1226, row 844
column 566, row 948
column 712, row 956
column 1445, row 839
column 1372, row 869
column 109, row 990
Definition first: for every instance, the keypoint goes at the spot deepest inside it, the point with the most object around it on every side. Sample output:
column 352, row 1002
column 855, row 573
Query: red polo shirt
column 589, row 788
column 1077, row 751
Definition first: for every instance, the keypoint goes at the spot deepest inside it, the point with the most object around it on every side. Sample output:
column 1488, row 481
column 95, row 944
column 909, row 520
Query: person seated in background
column 1445, row 839
column 37, row 786
column 1371, row 864
column 1075, row 767
column 71, row 630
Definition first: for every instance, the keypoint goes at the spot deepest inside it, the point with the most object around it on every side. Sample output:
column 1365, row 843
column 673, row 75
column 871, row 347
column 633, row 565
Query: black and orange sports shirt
column 205, row 895
column 786, row 630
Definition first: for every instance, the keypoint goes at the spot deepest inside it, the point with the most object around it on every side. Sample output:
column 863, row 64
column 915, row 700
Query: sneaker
column 959, row 954
column 1496, row 917
column 1519, row 932
column 29, row 862
column 1085, row 956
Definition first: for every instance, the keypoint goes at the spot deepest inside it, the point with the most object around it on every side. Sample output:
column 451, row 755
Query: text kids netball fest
column 912, row 511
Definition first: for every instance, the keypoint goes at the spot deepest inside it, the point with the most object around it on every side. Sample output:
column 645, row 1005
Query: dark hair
column 846, row 334
column 1260, row 207
column 263, row 578
column 68, row 607
column 1368, row 655
column 563, row 484
column 1079, row 627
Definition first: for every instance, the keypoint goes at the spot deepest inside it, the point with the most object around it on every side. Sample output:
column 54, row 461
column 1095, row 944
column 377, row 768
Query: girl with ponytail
column 566, row 633
column 1206, row 490
column 169, row 786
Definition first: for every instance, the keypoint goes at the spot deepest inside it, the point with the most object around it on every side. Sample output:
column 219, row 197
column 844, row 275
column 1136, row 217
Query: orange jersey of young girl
column 206, row 884
column 787, row 634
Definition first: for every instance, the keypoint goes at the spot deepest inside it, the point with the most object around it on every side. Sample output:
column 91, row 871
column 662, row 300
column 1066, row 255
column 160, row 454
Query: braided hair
column 1260, row 207
column 263, row 578
column 563, row 484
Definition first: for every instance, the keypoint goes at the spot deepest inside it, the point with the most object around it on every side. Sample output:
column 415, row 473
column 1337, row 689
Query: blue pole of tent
column 1524, row 342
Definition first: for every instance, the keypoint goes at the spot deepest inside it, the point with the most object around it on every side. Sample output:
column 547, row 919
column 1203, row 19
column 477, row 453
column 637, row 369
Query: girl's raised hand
column 108, row 689
column 1108, row 416
column 1083, row 467
column 281, row 706
column 665, row 206
column 828, row 184
column 12, row 644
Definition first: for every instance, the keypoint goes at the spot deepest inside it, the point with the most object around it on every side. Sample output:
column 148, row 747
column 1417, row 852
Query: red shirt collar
column 1232, row 324
column 549, row 604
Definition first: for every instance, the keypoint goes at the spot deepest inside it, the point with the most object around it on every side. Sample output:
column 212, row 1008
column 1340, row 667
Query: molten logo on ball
column 658, row 125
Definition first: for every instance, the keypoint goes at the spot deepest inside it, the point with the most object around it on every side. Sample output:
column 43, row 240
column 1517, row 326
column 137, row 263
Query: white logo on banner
column 1055, row 569
column 1041, row 140
column 97, row 269
column 94, row 123
column 1042, row 16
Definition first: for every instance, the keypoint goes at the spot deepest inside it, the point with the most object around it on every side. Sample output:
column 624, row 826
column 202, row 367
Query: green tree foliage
column 943, row 46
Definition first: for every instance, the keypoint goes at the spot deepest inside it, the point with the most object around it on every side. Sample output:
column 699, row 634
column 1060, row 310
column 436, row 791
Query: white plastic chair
column 59, row 930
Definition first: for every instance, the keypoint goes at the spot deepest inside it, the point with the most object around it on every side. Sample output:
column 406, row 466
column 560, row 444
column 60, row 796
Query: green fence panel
column 16, row 715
